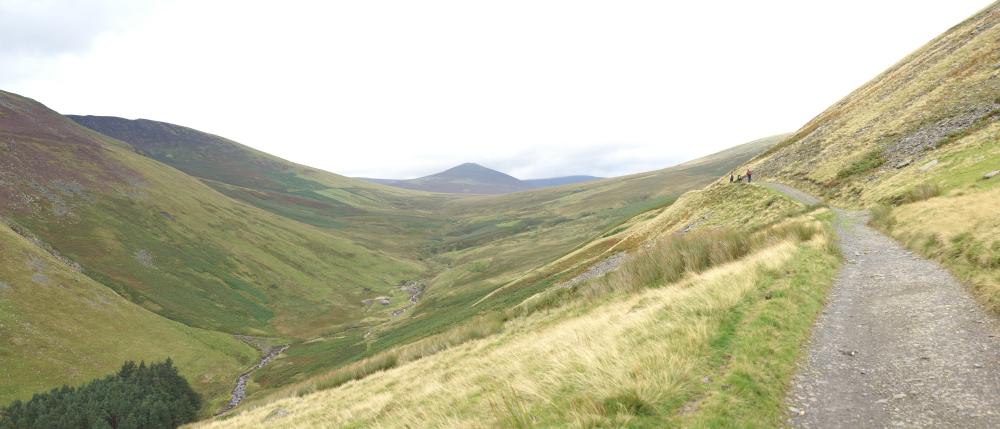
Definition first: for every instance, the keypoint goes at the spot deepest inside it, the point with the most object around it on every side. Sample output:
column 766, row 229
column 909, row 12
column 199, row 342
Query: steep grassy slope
column 58, row 326
column 915, row 144
column 175, row 246
column 382, row 217
column 947, row 89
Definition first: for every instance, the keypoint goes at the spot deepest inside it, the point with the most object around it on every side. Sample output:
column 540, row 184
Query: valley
column 256, row 245
column 855, row 281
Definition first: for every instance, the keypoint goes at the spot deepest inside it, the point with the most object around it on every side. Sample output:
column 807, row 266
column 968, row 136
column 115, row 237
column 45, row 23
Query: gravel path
column 901, row 343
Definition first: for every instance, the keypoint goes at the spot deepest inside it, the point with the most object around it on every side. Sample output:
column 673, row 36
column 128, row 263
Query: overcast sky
column 401, row 89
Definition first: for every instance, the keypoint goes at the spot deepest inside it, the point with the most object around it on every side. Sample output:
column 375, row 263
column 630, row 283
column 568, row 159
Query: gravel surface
column 901, row 343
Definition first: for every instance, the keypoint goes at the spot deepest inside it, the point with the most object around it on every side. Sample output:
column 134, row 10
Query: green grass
column 761, row 346
column 869, row 161
column 58, row 326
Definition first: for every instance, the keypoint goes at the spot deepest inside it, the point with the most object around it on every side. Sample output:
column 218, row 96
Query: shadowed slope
column 381, row 217
column 170, row 243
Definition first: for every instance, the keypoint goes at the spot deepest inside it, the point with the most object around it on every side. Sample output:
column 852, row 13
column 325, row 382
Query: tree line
column 136, row 397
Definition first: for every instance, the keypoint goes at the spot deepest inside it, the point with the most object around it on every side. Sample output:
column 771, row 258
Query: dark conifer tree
column 136, row 397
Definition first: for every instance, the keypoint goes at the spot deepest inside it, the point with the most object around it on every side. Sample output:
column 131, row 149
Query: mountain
column 471, row 178
column 468, row 178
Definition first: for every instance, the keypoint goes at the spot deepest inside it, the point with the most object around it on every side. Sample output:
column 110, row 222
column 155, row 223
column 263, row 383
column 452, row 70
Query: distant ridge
column 472, row 178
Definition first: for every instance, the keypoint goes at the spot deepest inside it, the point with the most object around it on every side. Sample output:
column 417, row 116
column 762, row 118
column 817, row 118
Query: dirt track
column 901, row 343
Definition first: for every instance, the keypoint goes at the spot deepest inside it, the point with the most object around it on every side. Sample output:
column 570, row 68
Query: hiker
column 730, row 177
column 739, row 178
column 749, row 175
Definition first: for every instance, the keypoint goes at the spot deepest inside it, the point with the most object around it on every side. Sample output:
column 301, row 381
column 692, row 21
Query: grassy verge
column 762, row 346
column 944, row 209
column 960, row 231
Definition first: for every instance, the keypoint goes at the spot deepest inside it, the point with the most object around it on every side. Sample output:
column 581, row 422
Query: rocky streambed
column 240, row 391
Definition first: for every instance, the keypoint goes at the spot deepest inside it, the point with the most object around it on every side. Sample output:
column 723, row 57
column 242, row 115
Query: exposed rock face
column 991, row 174
column 929, row 136
column 414, row 288
column 608, row 265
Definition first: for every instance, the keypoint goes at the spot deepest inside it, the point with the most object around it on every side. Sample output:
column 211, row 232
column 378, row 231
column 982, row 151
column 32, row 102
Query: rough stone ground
column 601, row 268
column 240, row 391
column 900, row 343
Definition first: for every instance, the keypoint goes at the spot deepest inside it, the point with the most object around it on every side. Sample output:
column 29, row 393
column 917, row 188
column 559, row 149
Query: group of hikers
column 739, row 178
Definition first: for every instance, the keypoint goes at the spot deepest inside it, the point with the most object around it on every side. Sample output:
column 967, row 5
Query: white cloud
column 402, row 88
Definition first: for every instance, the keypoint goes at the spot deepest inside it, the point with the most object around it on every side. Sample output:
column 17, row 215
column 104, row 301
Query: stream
column 240, row 391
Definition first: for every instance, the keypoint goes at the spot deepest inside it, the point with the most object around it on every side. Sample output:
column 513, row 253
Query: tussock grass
column 478, row 327
column 961, row 232
column 671, row 258
column 882, row 217
column 921, row 192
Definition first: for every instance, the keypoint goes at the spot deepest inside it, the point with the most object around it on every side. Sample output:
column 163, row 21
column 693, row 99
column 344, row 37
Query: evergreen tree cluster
column 136, row 397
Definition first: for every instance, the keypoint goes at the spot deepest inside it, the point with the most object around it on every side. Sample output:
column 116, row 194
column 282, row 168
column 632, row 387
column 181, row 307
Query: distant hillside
column 164, row 240
column 366, row 212
column 559, row 181
column 471, row 178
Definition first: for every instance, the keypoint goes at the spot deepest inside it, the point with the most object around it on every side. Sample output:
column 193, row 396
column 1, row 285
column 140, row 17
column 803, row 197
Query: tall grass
column 882, row 217
column 921, row 192
column 869, row 161
column 479, row 327
column 670, row 259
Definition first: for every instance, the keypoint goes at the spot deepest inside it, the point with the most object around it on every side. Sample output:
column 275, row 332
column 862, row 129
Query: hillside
column 471, row 178
column 366, row 212
column 58, row 326
column 194, row 256
column 917, row 144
